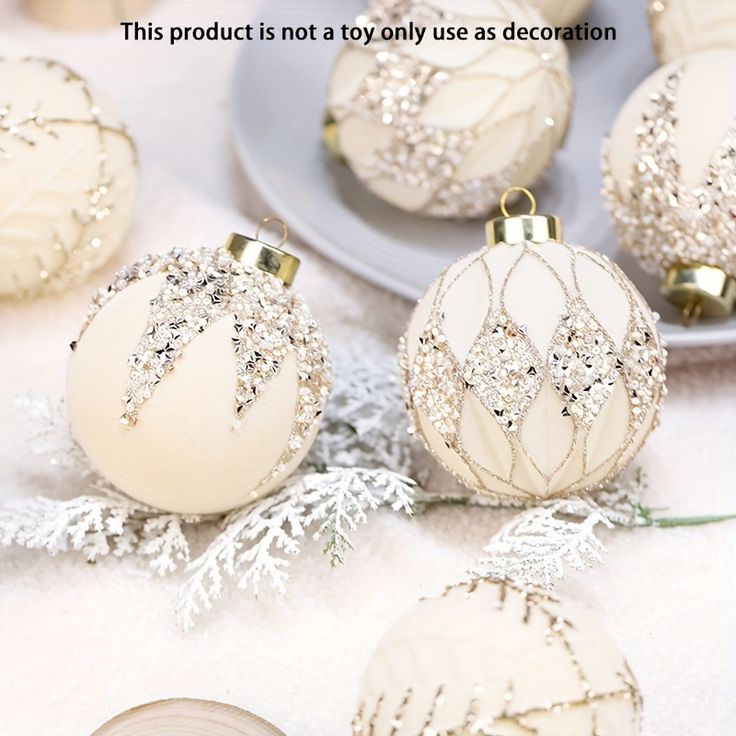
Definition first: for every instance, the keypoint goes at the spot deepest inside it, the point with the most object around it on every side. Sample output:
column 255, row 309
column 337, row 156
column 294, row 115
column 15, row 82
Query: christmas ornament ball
column 670, row 180
column 442, row 127
column 198, row 381
column 86, row 15
column 683, row 27
column 491, row 657
column 67, row 178
column 563, row 12
column 179, row 716
column 533, row 368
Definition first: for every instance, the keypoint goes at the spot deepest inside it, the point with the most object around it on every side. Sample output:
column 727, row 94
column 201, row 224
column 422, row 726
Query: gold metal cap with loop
column 515, row 229
column 331, row 136
column 700, row 290
column 268, row 258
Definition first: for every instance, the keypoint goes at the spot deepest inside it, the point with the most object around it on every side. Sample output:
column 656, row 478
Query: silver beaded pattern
column 582, row 364
column 427, row 157
column 657, row 218
column 505, row 372
column 483, row 720
column 439, row 399
column 201, row 287
column 643, row 368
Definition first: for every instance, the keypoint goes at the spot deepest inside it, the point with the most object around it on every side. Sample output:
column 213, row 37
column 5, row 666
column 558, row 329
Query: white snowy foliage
column 256, row 542
column 96, row 526
column 363, row 460
column 365, row 422
column 539, row 544
column 45, row 422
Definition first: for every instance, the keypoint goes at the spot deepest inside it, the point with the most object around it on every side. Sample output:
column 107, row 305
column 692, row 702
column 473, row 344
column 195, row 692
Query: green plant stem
column 645, row 513
column 673, row 522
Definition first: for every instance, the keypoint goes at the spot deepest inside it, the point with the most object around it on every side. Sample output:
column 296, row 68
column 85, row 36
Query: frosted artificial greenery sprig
column 96, row 526
column 363, row 460
column 256, row 542
column 345, row 477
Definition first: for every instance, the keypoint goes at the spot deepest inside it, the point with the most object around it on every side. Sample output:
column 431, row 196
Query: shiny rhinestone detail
column 583, row 364
column 433, row 383
column 660, row 220
column 503, row 371
column 200, row 287
column 398, row 86
column 426, row 157
column 579, row 362
column 644, row 369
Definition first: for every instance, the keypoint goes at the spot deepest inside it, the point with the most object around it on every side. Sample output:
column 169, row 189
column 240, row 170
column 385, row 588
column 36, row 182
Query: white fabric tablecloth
column 83, row 642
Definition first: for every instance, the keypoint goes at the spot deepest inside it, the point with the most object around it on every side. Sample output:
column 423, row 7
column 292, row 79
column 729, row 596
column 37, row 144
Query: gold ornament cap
column 268, row 258
column 529, row 228
column 700, row 290
column 331, row 136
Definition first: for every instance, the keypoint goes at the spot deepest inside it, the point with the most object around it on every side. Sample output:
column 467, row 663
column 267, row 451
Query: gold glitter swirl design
column 199, row 288
column 428, row 157
column 73, row 254
column 486, row 720
column 657, row 218
column 506, row 373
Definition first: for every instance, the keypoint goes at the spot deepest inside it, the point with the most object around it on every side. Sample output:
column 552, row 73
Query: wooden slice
column 187, row 717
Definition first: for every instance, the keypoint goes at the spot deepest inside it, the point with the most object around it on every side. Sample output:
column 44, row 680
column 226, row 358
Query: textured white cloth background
column 80, row 643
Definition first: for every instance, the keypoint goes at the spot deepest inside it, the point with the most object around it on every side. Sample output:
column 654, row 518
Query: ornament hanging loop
column 284, row 229
column 518, row 229
column 268, row 258
column 518, row 190
column 692, row 312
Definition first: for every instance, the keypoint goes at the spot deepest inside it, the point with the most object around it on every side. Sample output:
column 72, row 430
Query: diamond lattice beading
column 503, row 370
column 644, row 368
column 582, row 363
column 434, row 383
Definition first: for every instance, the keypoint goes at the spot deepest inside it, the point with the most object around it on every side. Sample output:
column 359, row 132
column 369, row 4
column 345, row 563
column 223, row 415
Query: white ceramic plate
column 278, row 98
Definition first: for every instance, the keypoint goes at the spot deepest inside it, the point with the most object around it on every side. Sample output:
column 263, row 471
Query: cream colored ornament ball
column 86, row 15
column 683, row 27
column 67, row 178
column 563, row 12
column 441, row 128
column 533, row 368
column 199, row 379
column 670, row 180
column 492, row 657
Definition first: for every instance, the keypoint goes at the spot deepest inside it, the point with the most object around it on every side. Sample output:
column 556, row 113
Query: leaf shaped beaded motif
column 580, row 364
column 398, row 88
column 201, row 287
column 657, row 218
column 487, row 713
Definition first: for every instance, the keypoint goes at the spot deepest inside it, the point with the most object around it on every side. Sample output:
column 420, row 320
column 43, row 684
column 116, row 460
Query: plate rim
column 699, row 338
